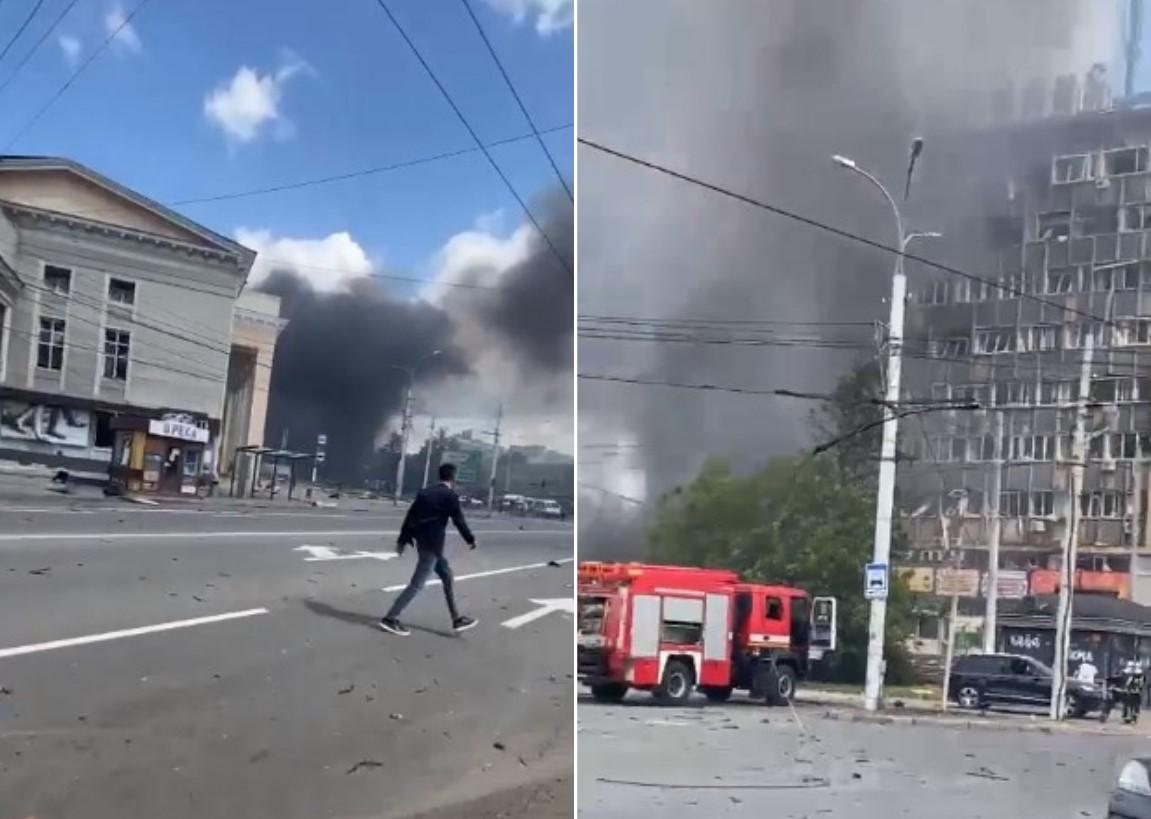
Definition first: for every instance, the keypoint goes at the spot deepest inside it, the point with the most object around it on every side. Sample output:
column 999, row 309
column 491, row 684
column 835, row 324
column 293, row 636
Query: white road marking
column 130, row 632
column 546, row 607
column 295, row 533
column 489, row 573
column 316, row 553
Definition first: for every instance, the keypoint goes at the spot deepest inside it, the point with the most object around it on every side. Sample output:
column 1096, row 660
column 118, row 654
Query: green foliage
column 799, row 520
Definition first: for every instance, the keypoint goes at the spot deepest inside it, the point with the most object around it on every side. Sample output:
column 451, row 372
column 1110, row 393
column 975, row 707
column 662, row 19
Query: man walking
column 426, row 523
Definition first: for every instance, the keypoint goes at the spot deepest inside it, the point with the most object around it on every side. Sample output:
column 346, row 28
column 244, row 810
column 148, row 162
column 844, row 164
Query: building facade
column 112, row 308
column 1055, row 222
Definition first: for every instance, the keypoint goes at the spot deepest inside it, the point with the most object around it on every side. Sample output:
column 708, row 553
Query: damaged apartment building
column 1054, row 223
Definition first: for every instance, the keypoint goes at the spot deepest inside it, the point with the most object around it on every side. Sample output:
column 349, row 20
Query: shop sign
column 181, row 427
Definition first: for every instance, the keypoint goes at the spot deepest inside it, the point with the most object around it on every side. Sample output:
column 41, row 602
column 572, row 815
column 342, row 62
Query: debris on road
column 365, row 763
column 987, row 773
column 347, row 690
column 499, row 746
column 41, row 572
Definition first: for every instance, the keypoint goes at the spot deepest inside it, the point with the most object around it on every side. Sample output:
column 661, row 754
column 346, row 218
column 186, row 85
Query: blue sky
column 205, row 97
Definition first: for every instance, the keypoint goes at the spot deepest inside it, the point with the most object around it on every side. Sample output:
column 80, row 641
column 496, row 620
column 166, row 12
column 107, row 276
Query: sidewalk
column 846, row 706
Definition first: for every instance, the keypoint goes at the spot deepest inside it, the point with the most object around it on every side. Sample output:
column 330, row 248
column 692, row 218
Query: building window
column 1076, row 334
column 1070, row 168
column 1105, row 503
column 1013, row 503
column 1135, row 217
column 994, row 340
column 116, row 354
column 1056, row 225
column 58, row 279
column 105, row 436
column 1043, row 504
column 50, row 353
column 1124, row 160
column 1061, row 281
column 121, row 292
column 1124, row 445
column 1038, row 338
column 936, row 293
column 951, row 347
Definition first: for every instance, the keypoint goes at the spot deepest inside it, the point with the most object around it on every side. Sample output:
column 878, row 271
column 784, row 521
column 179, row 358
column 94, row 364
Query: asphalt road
column 747, row 760
column 202, row 663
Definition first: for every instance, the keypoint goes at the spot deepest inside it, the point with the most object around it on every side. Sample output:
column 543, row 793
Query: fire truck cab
column 671, row 630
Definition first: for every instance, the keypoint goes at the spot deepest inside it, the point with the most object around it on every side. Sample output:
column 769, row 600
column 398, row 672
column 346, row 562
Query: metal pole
column 428, row 457
column 950, row 654
column 885, row 491
column 404, row 424
column 1071, row 536
column 1140, row 505
column 495, row 462
column 991, row 615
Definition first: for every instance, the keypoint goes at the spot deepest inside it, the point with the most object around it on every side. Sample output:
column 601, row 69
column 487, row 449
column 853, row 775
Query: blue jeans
column 426, row 563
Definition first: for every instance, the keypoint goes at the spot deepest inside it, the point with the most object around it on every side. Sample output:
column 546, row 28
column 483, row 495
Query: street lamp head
column 932, row 234
column 916, row 147
column 843, row 161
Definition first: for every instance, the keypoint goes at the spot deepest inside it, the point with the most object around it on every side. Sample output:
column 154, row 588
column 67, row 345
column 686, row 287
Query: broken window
column 1125, row 160
column 1092, row 221
column 995, row 340
column 1124, row 445
column 957, row 347
column 1103, row 503
column 116, row 354
column 1042, row 503
column 58, row 279
column 1076, row 334
column 1062, row 280
column 1013, row 503
column 1054, row 225
column 121, row 292
column 1038, row 338
column 1070, row 168
column 1135, row 217
column 50, row 351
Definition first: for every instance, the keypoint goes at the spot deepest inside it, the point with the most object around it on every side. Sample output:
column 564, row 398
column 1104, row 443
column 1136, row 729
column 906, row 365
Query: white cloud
column 71, row 47
column 477, row 256
column 125, row 39
column 550, row 15
column 327, row 263
column 250, row 101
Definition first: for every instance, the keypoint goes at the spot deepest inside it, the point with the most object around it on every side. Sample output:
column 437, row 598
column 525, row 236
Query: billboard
column 958, row 582
column 918, row 580
column 57, row 426
column 1012, row 584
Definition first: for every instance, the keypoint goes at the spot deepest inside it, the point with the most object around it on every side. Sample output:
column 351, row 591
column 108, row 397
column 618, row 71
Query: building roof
column 55, row 163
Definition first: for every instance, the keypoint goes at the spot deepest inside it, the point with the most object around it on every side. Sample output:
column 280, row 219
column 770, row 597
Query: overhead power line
column 519, row 102
column 75, row 74
column 323, row 180
column 837, row 231
column 20, row 29
column 43, row 38
column 475, row 137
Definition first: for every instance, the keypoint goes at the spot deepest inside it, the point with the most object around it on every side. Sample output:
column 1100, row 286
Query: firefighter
column 1131, row 691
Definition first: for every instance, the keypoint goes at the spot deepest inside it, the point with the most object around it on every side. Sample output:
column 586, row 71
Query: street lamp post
column 885, row 491
column 406, row 420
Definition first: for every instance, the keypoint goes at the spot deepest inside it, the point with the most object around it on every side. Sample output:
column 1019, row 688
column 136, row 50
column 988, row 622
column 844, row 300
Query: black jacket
column 428, row 516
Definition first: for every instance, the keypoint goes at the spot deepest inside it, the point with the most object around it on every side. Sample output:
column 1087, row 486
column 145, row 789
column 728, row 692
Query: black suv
column 983, row 680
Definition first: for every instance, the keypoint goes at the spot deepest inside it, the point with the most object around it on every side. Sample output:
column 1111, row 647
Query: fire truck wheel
column 609, row 692
column 677, row 683
column 780, row 685
column 717, row 693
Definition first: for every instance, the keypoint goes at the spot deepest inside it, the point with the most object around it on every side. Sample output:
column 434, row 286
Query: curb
column 986, row 724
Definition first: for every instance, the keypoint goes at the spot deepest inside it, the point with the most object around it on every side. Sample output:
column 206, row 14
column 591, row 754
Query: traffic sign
column 875, row 581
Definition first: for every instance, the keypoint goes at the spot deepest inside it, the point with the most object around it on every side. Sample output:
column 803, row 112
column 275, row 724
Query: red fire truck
column 672, row 629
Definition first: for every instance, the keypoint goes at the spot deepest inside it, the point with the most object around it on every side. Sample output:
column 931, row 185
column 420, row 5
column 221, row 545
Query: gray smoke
column 757, row 97
column 335, row 369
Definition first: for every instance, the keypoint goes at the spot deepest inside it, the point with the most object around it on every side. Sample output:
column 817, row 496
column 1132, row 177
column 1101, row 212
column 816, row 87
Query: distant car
column 550, row 509
column 1131, row 798
column 984, row 680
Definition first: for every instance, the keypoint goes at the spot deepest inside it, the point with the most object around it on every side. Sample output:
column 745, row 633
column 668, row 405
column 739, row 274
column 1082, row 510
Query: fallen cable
column 805, row 783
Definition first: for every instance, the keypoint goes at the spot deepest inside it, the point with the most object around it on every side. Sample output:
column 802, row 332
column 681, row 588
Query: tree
column 854, row 406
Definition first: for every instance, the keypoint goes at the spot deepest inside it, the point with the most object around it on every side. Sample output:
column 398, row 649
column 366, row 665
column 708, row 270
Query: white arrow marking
column 546, row 607
column 328, row 553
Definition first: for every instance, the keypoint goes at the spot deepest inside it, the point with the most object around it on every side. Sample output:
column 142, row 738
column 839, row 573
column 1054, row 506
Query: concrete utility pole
column 406, row 421
column 1139, row 488
column 495, row 461
column 885, row 492
column 1071, row 535
column 428, row 457
column 991, row 614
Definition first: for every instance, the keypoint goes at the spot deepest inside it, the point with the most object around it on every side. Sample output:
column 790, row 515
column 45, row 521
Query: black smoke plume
column 335, row 367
